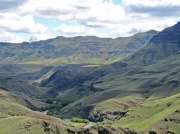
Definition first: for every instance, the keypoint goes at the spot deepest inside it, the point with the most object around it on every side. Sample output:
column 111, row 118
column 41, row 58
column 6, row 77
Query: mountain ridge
column 77, row 50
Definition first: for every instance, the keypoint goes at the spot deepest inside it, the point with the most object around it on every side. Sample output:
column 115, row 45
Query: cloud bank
column 102, row 18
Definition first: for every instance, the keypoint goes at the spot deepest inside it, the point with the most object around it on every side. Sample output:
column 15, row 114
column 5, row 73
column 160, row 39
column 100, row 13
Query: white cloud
column 140, row 26
column 68, row 29
column 38, row 37
column 49, row 8
column 152, row 3
column 9, row 37
column 91, row 17
column 11, row 5
column 76, row 30
column 99, row 10
column 160, row 8
column 118, row 20
column 12, row 22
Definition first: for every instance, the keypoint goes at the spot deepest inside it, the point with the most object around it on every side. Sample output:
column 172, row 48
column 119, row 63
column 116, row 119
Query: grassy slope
column 16, row 85
column 142, row 114
column 153, row 73
column 15, row 118
column 150, row 83
column 25, row 92
column 29, row 72
column 150, row 113
column 45, row 76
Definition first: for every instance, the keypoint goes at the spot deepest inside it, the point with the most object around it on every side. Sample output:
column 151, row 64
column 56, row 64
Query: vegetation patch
column 79, row 120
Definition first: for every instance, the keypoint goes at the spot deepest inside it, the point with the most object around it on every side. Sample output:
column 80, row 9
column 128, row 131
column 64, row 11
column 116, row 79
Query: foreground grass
column 149, row 113
column 18, row 119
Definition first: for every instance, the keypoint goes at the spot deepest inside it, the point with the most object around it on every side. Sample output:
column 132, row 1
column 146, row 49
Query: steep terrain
column 132, row 65
column 15, row 118
column 151, row 74
column 137, row 94
column 26, row 93
column 162, row 45
column 29, row 72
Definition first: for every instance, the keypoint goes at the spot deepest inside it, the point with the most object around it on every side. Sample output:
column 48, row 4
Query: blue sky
column 33, row 20
column 117, row 1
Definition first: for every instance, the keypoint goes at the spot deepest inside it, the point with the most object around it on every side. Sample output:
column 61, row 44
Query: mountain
column 137, row 92
column 162, row 45
column 81, row 50
column 18, row 74
column 140, row 92
column 74, row 75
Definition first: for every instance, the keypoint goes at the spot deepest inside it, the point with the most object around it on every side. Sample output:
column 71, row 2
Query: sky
column 33, row 20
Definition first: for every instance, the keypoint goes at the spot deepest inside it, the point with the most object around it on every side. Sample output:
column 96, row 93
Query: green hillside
column 97, row 85
column 116, row 93
column 15, row 118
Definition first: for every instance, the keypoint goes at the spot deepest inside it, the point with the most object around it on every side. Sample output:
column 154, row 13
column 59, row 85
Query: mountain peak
column 152, row 31
column 168, row 35
column 162, row 45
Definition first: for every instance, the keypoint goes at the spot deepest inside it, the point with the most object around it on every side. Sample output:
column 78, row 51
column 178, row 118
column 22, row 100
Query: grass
column 18, row 119
column 118, row 103
column 16, row 125
column 79, row 120
column 45, row 76
column 150, row 113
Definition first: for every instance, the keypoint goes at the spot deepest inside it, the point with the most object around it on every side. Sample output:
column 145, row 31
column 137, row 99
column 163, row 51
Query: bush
column 79, row 120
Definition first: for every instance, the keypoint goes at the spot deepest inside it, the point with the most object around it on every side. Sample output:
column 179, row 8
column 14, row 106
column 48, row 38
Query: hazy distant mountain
column 88, row 49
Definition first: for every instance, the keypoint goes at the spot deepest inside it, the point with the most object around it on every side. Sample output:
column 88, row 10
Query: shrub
column 79, row 120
